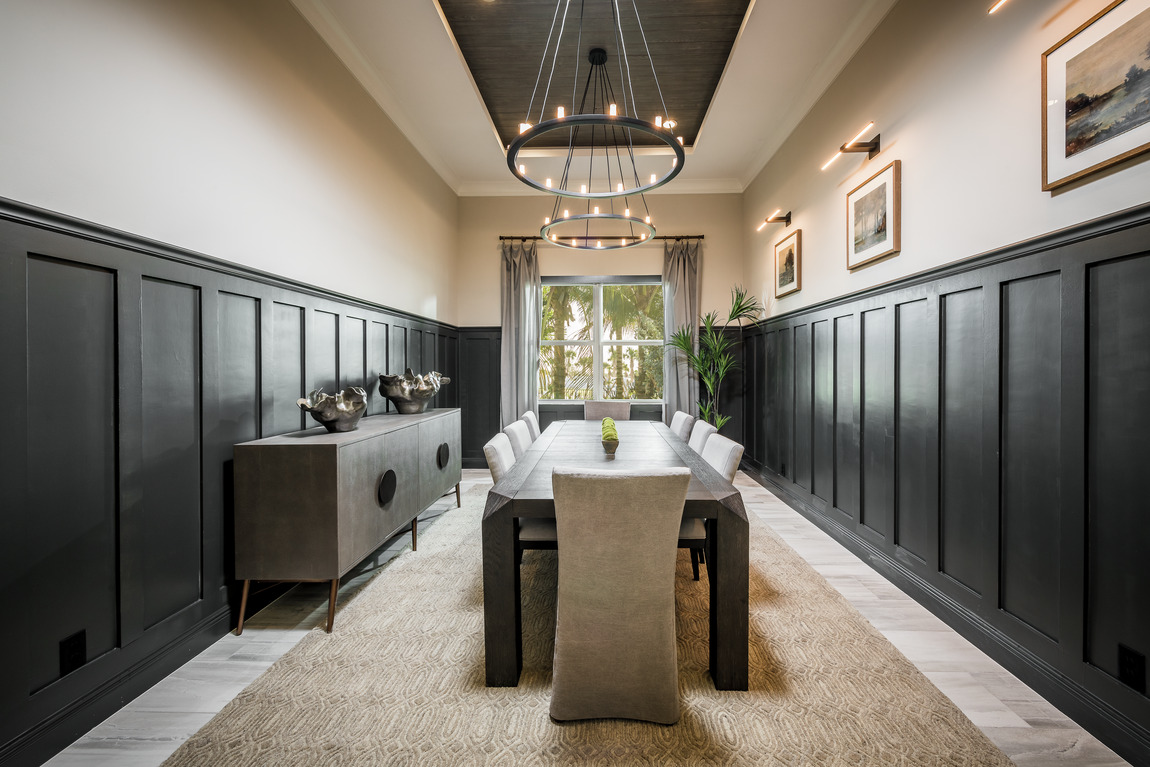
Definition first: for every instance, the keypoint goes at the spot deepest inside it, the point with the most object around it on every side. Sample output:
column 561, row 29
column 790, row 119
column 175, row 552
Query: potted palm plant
column 714, row 357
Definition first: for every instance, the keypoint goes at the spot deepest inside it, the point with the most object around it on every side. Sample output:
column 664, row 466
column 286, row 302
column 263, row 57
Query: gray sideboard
column 310, row 505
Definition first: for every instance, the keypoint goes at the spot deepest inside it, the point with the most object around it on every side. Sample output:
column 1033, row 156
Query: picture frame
column 1095, row 87
column 874, row 217
column 789, row 264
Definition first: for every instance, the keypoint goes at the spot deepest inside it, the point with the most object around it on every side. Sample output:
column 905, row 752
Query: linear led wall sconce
column 996, row 6
column 776, row 217
column 855, row 145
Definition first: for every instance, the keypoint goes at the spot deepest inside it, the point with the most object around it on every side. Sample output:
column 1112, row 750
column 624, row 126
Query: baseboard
column 1125, row 736
column 50, row 736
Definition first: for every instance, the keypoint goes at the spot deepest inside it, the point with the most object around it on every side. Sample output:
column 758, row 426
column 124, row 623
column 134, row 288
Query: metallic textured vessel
column 409, row 392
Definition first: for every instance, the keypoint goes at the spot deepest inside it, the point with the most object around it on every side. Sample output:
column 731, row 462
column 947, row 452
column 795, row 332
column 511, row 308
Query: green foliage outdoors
column 714, row 356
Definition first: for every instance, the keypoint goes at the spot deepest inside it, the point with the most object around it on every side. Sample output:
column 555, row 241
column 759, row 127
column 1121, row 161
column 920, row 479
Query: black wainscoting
column 979, row 435
column 141, row 365
column 479, row 402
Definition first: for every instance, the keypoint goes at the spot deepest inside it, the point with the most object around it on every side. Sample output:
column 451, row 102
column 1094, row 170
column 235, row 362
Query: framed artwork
column 1096, row 94
column 874, row 210
column 789, row 264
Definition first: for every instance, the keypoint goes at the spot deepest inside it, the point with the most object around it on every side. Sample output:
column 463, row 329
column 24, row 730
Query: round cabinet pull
column 385, row 491
column 443, row 455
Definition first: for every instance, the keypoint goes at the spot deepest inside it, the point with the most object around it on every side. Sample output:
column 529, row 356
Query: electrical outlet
column 1132, row 668
column 73, row 652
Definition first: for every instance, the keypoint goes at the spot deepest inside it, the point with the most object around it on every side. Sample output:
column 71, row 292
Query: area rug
column 401, row 680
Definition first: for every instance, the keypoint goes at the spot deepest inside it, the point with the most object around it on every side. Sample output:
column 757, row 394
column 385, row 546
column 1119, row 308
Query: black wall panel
column 804, row 406
column 961, row 512
column 478, row 385
column 397, row 349
column 1031, row 427
column 139, row 366
column 71, row 480
column 823, row 410
column 916, row 403
column 995, row 415
column 171, row 513
column 1118, row 434
column 323, row 352
column 877, row 462
column 284, row 370
column 846, row 418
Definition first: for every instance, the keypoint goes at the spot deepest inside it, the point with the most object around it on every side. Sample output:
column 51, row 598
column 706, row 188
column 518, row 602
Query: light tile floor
column 1030, row 730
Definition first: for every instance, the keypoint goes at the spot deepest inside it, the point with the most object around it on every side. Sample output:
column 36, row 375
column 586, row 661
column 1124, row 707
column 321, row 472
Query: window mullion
column 597, row 336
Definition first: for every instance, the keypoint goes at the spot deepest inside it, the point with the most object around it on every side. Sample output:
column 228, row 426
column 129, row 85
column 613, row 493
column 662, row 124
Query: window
column 601, row 339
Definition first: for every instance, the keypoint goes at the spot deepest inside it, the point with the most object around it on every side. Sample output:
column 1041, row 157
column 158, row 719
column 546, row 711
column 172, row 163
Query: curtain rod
column 657, row 237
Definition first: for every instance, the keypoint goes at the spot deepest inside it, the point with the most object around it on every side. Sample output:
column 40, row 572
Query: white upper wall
column 227, row 128
column 718, row 217
column 955, row 94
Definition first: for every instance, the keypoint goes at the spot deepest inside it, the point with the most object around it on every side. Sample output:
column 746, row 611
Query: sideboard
column 311, row 505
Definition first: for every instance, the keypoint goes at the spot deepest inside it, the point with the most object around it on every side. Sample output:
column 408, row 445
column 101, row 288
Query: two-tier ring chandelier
column 599, row 175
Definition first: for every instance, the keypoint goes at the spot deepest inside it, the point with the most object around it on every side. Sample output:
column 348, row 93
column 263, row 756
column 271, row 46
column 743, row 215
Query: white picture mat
column 889, row 176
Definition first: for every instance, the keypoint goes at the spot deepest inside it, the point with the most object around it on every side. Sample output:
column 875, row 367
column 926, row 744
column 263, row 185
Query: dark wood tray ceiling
column 502, row 42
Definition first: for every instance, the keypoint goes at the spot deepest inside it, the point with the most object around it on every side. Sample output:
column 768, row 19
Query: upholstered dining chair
column 723, row 454
column 700, row 431
column 500, row 456
column 681, row 424
column 598, row 409
column 532, row 424
column 615, row 654
column 520, row 437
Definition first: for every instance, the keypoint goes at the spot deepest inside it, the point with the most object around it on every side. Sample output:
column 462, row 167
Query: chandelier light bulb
column 548, row 183
column 566, row 213
column 643, row 236
column 555, row 238
column 523, row 169
column 561, row 114
column 654, row 178
column 680, row 142
column 524, row 127
column 627, row 213
column 674, row 161
column 619, row 187
column 670, row 124
column 596, row 210
column 658, row 121
column 582, row 189
column 623, row 241
column 647, row 219
column 614, row 111
column 546, row 220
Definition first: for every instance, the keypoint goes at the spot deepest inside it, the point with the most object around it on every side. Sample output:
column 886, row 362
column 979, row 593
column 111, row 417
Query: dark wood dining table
column 525, row 491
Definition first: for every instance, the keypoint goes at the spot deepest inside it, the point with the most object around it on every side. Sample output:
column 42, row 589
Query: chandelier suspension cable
column 543, row 59
column 554, row 61
column 643, row 36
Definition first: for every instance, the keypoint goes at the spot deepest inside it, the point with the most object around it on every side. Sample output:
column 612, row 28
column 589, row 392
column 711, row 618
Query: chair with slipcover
column 681, row 424
column 520, row 436
column 598, row 409
column 700, row 431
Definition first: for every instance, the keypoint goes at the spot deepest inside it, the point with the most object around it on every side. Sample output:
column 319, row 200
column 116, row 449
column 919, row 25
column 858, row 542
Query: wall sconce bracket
column 785, row 218
column 870, row 147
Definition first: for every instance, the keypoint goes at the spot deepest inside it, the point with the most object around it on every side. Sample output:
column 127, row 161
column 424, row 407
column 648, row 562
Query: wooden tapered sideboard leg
column 331, row 604
column 458, row 499
column 243, row 606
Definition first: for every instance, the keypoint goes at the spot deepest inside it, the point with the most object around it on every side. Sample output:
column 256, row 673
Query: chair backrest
column 500, row 457
column 723, row 454
column 700, row 431
column 615, row 654
column 681, row 424
column 532, row 424
column 520, row 437
column 598, row 409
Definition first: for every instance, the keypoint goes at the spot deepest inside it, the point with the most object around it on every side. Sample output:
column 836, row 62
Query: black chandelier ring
column 621, row 241
column 595, row 120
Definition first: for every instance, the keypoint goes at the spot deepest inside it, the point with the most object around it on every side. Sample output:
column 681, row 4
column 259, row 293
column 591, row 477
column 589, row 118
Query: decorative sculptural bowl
column 410, row 393
column 336, row 413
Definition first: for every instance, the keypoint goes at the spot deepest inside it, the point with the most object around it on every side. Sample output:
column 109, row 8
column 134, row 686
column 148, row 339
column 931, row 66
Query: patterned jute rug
column 400, row 681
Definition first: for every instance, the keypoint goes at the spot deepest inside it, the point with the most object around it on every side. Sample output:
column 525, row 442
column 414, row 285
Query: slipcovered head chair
column 598, row 409
column 615, row 653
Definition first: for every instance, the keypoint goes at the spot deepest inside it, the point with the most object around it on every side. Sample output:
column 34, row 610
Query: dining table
column 525, row 492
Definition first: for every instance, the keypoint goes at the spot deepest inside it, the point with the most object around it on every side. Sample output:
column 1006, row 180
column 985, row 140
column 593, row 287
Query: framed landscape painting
column 873, row 212
column 789, row 264
column 1096, row 94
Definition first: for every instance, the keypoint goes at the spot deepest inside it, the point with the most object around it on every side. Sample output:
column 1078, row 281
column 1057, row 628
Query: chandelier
column 599, row 190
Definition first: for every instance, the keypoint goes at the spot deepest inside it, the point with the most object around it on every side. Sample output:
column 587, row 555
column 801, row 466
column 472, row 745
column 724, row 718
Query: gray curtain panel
column 521, row 321
column 681, row 307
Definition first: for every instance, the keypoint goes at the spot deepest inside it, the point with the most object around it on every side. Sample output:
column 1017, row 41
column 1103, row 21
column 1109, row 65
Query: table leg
column 502, row 624
column 727, row 568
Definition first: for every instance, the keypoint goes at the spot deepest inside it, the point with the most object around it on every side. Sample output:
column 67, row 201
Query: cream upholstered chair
column 723, row 454
column 615, row 654
column 520, row 437
column 598, row 409
column 500, row 457
column 700, row 431
column 681, row 424
column 532, row 424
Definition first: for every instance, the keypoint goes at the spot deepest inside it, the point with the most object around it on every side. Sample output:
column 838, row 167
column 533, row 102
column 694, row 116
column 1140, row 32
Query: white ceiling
column 786, row 55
